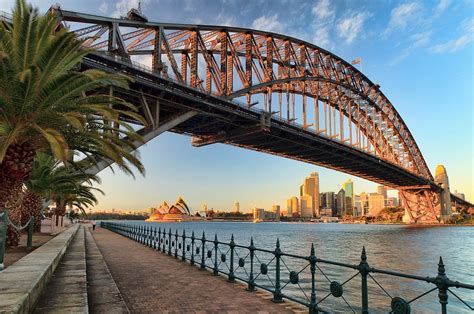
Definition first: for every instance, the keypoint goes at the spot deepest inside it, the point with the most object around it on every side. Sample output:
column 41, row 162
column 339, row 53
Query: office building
column 376, row 203
column 348, row 187
column 236, row 208
column 311, row 188
column 292, row 207
column 306, row 206
column 276, row 211
column 340, row 203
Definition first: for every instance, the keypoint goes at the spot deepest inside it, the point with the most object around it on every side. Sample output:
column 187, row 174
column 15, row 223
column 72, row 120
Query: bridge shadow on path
column 150, row 281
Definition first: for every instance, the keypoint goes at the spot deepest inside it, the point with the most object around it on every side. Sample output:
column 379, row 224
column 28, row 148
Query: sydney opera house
column 174, row 213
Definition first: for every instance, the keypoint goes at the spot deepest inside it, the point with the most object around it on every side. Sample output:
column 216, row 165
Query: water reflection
column 407, row 249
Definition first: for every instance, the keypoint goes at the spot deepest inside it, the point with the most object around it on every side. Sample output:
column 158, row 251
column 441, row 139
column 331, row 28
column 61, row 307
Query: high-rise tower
column 348, row 187
column 311, row 188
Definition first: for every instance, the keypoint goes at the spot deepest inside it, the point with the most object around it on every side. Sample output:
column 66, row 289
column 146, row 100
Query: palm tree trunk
column 14, row 170
column 32, row 206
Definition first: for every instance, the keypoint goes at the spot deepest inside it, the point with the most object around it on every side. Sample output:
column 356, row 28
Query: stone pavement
column 150, row 281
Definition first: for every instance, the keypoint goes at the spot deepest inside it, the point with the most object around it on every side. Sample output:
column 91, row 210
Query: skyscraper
column 306, row 206
column 341, row 202
column 292, row 207
column 348, row 187
column 236, row 208
column 382, row 191
column 276, row 211
column 311, row 187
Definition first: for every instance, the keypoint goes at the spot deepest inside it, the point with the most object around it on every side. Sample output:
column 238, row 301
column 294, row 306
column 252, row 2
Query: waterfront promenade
column 150, row 281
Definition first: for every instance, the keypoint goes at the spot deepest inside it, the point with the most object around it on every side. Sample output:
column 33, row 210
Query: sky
column 420, row 52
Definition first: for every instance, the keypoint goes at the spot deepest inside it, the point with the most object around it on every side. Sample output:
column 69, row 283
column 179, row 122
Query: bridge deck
column 149, row 280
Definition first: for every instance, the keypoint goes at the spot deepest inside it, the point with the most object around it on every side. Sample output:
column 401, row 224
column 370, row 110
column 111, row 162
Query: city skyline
column 391, row 50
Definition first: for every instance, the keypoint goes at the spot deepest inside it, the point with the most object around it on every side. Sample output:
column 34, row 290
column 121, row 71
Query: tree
column 46, row 105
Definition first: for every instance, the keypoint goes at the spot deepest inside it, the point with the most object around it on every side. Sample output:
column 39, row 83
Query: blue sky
column 420, row 52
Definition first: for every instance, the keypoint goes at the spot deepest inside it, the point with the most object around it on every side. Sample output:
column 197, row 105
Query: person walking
column 93, row 225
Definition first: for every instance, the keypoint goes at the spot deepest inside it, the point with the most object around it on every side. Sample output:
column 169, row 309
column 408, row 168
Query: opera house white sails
column 174, row 213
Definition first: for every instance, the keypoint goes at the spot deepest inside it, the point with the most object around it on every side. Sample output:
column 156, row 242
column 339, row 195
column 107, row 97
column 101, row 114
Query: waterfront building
column 322, row 200
column 236, row 208
column 383, row 191
column 348, row 187
column 357, row 206
column 276, row 211
column 364, row 203
column 340, row 203
column 260, row 214
column 292, row 207
column 306, row 206
column 311, row 187
column 301, row 190
column 179, row 211
column 326, row 212
column 376, row 203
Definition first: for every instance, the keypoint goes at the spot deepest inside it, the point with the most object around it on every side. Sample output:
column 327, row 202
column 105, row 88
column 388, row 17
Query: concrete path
column 103, row 294
column 150, row 281
column 67, row 290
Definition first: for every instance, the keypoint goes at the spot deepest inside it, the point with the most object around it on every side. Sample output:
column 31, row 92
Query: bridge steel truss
column 261, row 91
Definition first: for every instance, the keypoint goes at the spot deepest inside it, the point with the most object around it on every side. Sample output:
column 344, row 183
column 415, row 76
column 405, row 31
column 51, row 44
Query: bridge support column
column 441, row 178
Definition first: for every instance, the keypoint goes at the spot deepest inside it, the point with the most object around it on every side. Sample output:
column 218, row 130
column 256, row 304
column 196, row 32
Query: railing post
column 192, row 248
column 313, row 308
column 3, row 235
column 203, row 249
column 215, row 271
column 231, row 268
column 154, row 238
column 363, row 270
column 29, row 242
column 277, row 293
column 169, row 242
column 183, row 256
column 159, row 238
column 176, row 244
column 251, row 284
column 441, row 283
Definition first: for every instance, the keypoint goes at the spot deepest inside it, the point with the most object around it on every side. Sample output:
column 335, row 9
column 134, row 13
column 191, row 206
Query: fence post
column 363, row 270
column 154, row 238
column 159, row 238
column 312, row 260
column 3, row 235
column 183, row 256
column 29, row 242
column 441, row 280
column 203, row 249
column 251, row 284
column 231, row 268
column 277, row 293
column 169, row 242
column 215, row 270
column 192, row 248
column 176, row 244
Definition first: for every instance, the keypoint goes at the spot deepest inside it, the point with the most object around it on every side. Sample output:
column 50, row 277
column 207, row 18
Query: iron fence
column 270, row 270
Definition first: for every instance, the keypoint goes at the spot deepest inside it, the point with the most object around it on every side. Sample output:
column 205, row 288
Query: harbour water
column 406, row 249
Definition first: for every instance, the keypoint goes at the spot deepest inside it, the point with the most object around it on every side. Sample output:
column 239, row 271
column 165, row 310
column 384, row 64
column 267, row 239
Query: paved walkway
column 150, row 281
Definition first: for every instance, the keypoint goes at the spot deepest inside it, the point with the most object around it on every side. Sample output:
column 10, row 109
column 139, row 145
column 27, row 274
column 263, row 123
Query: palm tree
column 46, row 105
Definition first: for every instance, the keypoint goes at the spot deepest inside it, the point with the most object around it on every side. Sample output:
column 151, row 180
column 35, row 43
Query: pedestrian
column 93, row 225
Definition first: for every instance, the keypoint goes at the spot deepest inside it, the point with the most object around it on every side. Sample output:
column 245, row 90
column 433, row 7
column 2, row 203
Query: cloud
column 322, row 37
column 400, row 16
column 415, row 41
column 268, row 23
column 123, row 6
column 461, row 41
column 322, row 9
column 441, row 7
column 323, row 21
column 226, row 20
column 351, row 26
column 104, row 7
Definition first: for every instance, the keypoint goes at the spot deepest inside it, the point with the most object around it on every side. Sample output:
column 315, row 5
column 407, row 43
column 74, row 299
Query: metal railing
column 248, row 264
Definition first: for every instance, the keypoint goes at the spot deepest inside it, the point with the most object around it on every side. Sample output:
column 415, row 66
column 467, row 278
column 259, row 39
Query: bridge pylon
column 424, row 205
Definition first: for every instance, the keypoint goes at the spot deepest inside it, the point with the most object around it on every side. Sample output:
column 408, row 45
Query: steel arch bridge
column 266, row 92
